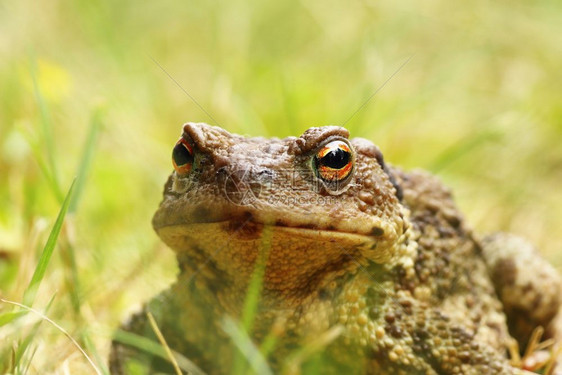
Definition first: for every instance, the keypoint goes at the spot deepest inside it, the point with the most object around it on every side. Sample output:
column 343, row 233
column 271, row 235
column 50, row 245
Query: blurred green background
column 479, row 103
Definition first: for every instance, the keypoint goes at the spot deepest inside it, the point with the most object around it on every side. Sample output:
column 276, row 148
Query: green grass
column 18, row 363
column 31, row 290
column 478, row 103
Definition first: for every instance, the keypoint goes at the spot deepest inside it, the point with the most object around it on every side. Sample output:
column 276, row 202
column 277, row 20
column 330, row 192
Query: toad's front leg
column 527, row 285
column 126, row 358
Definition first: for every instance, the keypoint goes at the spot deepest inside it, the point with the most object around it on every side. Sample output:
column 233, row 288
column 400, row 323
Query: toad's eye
column 334, row 161
column 182, row 157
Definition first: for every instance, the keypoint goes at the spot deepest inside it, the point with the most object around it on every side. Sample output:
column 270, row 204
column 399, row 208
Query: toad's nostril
column 220, row 161
column 221, row 174
column 265, row 176
column 243, row 185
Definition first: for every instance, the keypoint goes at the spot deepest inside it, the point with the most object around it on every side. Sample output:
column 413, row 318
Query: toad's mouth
column 249, row 229
column 244, row 224
column 289, row 244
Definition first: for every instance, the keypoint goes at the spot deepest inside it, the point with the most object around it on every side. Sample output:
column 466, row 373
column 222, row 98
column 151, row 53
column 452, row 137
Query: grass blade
column 314, row 346
column 91, row 348
column 70, row 269
column 270, row 341
column 255, row 286
column 251, row 302
column 163, row 342
column 87, row 156
column 22, row 348
column 26, row 370
column 151, row 347
column 31, row 291
column 67, row 249
column 47, row 131
column 10, row 316
column 44, row 317
column 240, row 338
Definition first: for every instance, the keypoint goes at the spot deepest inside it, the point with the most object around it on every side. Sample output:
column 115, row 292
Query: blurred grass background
column 479, row 103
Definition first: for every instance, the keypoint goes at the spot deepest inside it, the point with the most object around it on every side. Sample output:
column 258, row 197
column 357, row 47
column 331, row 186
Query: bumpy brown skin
column 380, row 274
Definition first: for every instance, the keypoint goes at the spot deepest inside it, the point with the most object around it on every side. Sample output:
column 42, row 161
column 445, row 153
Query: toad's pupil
column 181, row 155
column 336, row 159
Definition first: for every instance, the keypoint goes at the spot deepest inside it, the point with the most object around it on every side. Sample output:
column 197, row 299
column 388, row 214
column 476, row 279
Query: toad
column 360, row 267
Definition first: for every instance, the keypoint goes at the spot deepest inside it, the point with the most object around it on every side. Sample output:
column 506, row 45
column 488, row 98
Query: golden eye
column 182, row 157
column 334, row 161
